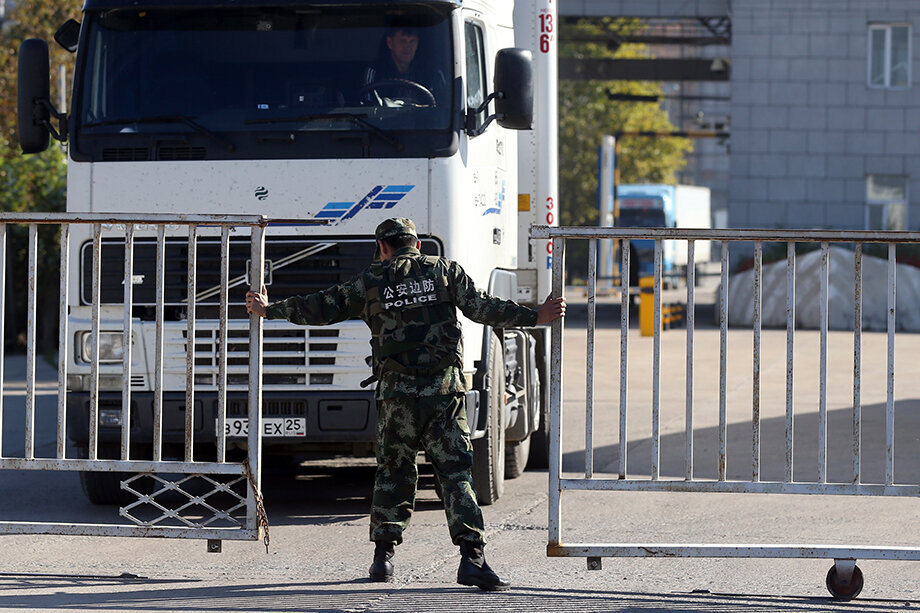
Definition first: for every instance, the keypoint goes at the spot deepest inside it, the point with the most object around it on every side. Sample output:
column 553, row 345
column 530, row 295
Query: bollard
column 647, row 306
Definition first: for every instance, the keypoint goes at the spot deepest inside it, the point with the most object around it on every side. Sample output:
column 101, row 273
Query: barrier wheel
column 844, row 591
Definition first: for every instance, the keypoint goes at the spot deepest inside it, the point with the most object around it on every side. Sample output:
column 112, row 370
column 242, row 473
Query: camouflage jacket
column 410, row 304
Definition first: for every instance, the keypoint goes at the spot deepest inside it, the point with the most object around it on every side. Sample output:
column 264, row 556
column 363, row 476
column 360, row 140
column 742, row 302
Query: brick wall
column 806, row 128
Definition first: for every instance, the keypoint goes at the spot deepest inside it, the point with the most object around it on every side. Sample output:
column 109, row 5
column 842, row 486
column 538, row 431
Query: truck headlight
column 111, row 347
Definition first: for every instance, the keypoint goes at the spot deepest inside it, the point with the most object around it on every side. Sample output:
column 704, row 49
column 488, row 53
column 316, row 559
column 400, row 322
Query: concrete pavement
column 319, row 550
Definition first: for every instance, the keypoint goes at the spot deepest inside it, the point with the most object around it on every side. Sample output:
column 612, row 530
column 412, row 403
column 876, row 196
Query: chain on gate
column 261, row 515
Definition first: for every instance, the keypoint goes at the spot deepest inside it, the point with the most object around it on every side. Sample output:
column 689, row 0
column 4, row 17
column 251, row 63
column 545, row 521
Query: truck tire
column 489, row 451
column 539, row 450
column 103, row 487
column 516, row 455
column 538, row 458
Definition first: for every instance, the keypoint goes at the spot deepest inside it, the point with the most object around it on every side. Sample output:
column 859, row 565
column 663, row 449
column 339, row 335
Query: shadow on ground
column 739, row 447
column 64, row 593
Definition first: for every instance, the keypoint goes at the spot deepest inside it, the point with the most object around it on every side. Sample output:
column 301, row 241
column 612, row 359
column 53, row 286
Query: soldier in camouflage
column 410, row 302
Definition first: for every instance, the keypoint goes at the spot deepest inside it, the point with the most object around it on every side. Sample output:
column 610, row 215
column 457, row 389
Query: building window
column 886, row 202
column 889, row 56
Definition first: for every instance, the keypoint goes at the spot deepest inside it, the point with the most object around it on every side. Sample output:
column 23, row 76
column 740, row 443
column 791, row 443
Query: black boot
column 382, row 569
column 474, row 570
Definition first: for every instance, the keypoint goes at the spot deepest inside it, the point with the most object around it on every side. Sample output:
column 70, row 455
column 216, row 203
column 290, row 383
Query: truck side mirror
column 514, row 83
column 68, row 35
column 513, row 93
column 34, row 96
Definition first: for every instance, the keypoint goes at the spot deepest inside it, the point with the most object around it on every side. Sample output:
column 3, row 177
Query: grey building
column 825, row 117
column 824, row 113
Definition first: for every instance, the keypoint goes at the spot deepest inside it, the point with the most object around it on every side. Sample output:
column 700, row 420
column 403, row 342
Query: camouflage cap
column 394, row 227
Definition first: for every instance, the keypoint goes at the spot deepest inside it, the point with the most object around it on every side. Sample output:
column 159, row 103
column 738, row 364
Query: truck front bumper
column 330, row 417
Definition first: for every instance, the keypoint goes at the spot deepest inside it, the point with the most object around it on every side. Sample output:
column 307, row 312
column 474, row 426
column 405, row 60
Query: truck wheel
column 105, row 487
column 539, row 450
column 516, row 455
column 538, row 456
column 489, row 451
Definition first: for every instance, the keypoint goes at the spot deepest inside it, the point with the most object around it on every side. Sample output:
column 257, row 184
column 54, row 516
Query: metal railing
column 844, row 579
column 206, row 500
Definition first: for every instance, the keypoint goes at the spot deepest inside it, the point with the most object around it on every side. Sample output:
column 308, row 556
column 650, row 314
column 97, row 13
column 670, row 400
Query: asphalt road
column 319, row 550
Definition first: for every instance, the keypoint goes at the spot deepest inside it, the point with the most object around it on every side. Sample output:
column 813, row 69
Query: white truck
column 263, row 107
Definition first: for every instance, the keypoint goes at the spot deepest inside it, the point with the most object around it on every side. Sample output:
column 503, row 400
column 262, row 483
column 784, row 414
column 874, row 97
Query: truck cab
column 298, row 110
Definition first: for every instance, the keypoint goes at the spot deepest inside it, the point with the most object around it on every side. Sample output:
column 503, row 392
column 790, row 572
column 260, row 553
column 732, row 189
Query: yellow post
column 647, row 306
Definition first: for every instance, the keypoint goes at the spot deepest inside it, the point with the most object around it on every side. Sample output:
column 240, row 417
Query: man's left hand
column 551, row 310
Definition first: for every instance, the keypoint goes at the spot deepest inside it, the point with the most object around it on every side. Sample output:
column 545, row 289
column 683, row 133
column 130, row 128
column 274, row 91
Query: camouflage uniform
column 409, row 302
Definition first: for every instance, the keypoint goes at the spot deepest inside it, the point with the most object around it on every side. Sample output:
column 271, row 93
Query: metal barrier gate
column 844, row 579
column 182, row 498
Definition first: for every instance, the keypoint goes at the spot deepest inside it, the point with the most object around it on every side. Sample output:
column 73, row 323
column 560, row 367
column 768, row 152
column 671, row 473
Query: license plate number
column 271, row 426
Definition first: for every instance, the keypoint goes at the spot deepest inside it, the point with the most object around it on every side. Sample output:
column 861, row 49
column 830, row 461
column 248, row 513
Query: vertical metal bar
column 857, row 364
column 555, row 414
column 2, row 323
column 822, row 376
column 624, row 352
column 691, row 323
column 127, row 343
column 257, row 279
column 656, row 368
column 190, row 343
column 723, row 362
column 790, row 356
column 94, row 344
column 62, row 343
column 222, row 346
column 158, row 367
column 607, row 247
column 889, row 407
column 30, row 342
column 589, row 383
column 755, row 401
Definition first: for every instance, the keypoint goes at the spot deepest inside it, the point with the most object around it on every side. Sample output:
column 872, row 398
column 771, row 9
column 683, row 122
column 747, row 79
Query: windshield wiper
column 354, row 117
column 187, row 120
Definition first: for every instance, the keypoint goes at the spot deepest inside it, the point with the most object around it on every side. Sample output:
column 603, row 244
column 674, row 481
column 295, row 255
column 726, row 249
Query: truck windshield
column 283, row 82
column 641, row 218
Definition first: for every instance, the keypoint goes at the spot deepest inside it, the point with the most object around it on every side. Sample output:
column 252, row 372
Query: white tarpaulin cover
column 841, row 292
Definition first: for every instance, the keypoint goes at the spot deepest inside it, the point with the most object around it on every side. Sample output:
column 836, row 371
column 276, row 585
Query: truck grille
column 293, row 357
column 296, row 266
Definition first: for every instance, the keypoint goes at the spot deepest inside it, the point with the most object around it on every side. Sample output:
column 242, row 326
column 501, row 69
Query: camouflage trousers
column 436, row 425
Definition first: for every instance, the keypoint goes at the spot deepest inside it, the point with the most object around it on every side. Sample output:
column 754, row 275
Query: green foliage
column 30, row 19
column 33, row 183
column 586, row 113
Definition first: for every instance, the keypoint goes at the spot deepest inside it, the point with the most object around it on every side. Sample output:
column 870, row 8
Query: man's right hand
column 257, row 301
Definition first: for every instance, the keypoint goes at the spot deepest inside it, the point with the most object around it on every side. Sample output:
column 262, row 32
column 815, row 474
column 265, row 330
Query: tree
column 34, row 182
column 586, row 113
column 29, row 19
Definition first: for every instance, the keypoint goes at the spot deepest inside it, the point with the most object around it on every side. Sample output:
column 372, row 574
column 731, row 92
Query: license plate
column 271, row 426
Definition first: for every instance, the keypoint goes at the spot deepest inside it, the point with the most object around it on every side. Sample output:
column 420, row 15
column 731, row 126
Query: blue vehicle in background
column 663, row 206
